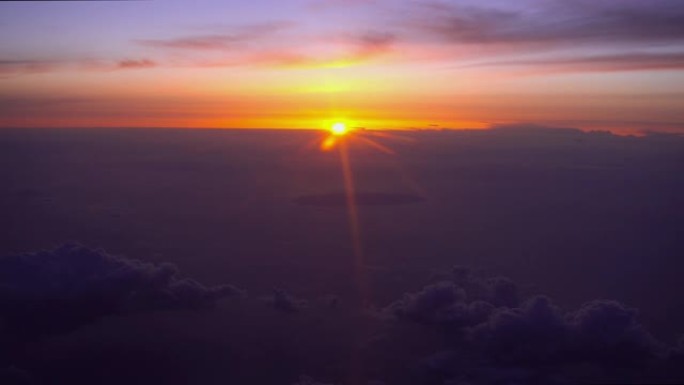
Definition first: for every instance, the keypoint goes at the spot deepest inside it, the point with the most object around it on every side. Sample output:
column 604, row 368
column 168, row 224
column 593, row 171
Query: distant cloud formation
column 600, row 63
column 484, row 321
column 219, row 40
column 133, row 64
column 18, row 67
column 631, row 35
column 347, row 50
column 373, row 43
column 27, row 66
column 60, row 290
column 200, row 42
column 553, row 22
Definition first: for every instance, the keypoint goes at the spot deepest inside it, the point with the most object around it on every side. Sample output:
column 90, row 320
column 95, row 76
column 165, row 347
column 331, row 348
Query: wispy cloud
column 133, row 64
column 27, row 66
column 219, row 41
column 600, row 63
column 372, row 44
column 23, row 67
column 552, row 22
column 577, row 35
column 342, row 51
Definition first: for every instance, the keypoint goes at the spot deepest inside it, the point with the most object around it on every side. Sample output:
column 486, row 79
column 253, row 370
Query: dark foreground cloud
column 63, row 289
column 283, row 301
column 484, row 322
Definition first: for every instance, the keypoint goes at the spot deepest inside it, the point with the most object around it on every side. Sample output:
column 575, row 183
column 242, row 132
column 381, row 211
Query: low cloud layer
column 63, row 289
column 487, row 326
column 286, row 303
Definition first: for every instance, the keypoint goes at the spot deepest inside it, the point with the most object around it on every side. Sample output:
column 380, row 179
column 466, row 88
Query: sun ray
column 340, row 137
column 354, row 225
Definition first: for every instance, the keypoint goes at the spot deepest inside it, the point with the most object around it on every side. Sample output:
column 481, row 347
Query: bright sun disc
column 339, row 129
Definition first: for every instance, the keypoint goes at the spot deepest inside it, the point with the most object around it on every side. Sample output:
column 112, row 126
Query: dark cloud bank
column 60, row 290
column 491, row 334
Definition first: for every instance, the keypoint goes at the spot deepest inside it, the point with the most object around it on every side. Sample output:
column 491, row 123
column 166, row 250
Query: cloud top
column 62, row 289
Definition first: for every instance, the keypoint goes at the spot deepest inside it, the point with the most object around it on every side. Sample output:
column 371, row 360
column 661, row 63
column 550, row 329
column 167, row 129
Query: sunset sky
column 592, row 64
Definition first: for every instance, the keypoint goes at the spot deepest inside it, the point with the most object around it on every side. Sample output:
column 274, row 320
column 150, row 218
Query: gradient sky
column 592, row 64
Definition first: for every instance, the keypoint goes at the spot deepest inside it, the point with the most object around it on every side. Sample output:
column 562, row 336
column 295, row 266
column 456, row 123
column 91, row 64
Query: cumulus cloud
column 283, row 301
column 483, row 319
column 63, row 289
column 464, row 300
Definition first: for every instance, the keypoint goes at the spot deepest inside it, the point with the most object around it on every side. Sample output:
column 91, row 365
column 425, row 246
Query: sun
column 339, row 129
